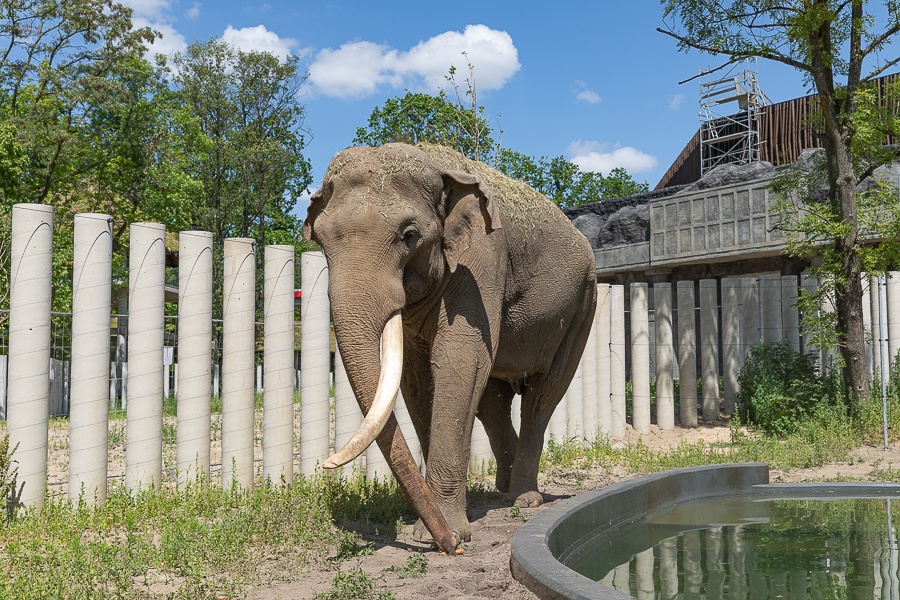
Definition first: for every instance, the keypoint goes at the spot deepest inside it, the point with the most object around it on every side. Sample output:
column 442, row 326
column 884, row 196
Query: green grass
column 200, row 542
column 204, row 542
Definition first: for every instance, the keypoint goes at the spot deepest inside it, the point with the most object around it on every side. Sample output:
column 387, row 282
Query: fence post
column 28, row 402
column 617, row 361
column 731, row 340
column 750, row 322
column 893, row 316
column 347, row 415
column 790, row 317
column 640, row 358
column 238, row 362
column 194, row 390
column 603, row 424
column 709, row 332
column 89, row 408
column 665, row 355
column 146, row 303
column 770, row 294
column 687, row 354
column 590, row 390
column 278, row 362
column 315, row 359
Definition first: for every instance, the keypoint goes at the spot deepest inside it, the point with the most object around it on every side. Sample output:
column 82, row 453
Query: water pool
column 753, row 548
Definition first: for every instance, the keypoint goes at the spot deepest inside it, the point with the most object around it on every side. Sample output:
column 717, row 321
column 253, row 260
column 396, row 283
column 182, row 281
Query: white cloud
column 359, row 68
column 585, row 94
column 147, row 8
column 168, row 42
column 598, row 157
column 259, row 39
column 675, row 101
column 193, row 13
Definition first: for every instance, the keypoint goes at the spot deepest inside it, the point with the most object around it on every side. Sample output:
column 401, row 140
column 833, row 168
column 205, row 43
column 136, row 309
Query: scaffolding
column 730, row 109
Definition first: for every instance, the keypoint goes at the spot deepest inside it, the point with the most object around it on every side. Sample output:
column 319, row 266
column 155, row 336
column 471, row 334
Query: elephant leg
column 538, row 403
column 541, row 397
column 461, row 365
column 494, row 412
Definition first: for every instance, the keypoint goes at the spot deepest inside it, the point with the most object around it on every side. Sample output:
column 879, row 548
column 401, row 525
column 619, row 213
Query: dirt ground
column 483, row 571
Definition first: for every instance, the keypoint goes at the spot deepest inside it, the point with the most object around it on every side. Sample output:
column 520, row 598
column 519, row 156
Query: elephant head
column 392, row 226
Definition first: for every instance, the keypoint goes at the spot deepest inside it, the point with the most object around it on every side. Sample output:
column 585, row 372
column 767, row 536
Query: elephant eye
column 410, row 237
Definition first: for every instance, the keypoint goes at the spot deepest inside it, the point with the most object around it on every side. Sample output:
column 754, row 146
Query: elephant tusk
column 385, row 395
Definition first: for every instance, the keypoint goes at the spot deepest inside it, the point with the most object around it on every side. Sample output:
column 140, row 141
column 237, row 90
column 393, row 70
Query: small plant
column 350, row 546
column 8, row 503
column 416, row 566
column 354, row 584
column 515, row 511
column 781, row 388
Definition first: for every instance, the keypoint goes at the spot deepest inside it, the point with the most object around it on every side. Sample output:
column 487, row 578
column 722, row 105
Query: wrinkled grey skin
column 496, row 289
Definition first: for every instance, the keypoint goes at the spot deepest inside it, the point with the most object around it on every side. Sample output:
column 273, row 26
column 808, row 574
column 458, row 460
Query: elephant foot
column 530, row 499
column 459, row 526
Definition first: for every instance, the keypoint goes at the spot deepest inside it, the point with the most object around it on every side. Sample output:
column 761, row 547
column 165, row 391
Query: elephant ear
column 316, row 205
column 471, row 214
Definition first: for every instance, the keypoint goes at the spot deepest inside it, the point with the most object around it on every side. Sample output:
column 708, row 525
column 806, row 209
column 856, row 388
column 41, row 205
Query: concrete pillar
column 875, row 322
column 867, row 289
column 516, row 413
column 589, row 388
column 640, row 358
column 617, row 361
column 731, row 341
column 665, row 356
column 575, row 404
column 195, row 275
column 89, row 408
column 315, row 349
column 278, row 363
column 28, row 400
column 603, row 424
column 347, row 415
column 790, row 316
column 146, row 305
column 687, row 354
column 238, row 362
column 808, row 285
column 770, row 298
column 709, row 348
column 893, row 315
column 750, row 319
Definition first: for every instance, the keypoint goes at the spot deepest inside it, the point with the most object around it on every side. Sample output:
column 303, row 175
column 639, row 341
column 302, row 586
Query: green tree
column 829, row 42
column 420, row 117
column 249, row 160
column 563, row 182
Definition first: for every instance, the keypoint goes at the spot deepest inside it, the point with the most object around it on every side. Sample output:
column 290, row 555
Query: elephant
column 461, row 287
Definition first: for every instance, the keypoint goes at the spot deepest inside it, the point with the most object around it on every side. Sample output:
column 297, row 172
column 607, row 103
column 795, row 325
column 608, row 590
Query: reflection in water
column 756, row 549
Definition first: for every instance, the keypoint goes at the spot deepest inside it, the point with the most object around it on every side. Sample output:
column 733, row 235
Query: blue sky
column 590, row 80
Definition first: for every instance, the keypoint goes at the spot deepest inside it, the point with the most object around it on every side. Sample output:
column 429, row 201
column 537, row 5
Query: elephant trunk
column 357, row 331
column 385, row 395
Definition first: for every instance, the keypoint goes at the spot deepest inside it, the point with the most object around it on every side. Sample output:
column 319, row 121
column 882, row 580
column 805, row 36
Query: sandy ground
column 483, row 571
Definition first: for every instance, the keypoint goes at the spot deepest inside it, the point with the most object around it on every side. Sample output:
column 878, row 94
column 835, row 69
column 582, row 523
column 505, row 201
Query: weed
column 8, row 501
column 354, row 584
column 416, row 566
column 515, row 511
column 350, row 546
